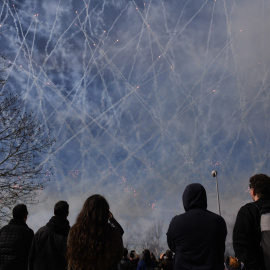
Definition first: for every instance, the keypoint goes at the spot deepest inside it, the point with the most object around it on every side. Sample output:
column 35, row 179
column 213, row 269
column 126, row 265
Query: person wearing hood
column 49, row 247
column 198, row 236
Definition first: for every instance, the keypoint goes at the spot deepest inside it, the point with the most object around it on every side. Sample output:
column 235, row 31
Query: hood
column 59, row 225
column 194, row 196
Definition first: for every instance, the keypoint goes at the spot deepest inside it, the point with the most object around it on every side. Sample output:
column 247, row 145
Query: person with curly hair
column 247, row 233
column 95, row 240
column 234, row 264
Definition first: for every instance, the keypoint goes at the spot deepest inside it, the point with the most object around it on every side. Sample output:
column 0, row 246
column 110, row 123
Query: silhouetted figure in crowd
column 146, row 263
column 198, row 236
column 166, row 261
column 248, row 240
column 125, row 262
column 95, row 240
column 49, row 247
column 15, row 241
column 134, row 259
column 153, row 258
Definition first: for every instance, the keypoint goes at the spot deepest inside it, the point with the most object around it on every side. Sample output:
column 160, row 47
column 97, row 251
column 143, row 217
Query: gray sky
column 144, row 98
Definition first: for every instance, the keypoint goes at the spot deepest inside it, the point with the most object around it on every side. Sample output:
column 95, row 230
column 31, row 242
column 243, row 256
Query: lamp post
column 214, row 174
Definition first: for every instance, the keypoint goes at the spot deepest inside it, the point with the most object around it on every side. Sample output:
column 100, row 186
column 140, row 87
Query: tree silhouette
column 23, row 143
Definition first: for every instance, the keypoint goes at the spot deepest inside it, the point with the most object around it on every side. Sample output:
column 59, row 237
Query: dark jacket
column 124, row 264
column 15, row 242
column 143, row 265
column 166, row 264
column 48, row 250
column 198, row 236
column 247, row 234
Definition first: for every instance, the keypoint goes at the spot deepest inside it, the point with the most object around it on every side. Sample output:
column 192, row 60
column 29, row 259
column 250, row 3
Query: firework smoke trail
column 121, row 87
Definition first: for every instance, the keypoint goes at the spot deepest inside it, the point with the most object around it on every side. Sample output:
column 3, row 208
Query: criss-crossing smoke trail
column 183, row 87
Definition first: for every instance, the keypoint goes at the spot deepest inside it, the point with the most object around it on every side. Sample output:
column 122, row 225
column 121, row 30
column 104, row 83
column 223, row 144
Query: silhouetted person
column 134, row 259
column 49, row 247
column 15, row 241
column 146, row 262
column 125, row 262
column 198, row 236
column 166, row 260
column 95, row 240
column 247, row 237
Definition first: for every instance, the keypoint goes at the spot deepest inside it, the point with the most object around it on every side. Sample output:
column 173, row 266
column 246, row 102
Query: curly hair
column 88, row 238
column 261, row 185
column 234, row 263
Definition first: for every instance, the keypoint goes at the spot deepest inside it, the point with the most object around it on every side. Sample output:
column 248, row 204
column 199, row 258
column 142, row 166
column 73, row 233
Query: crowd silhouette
column 196, row 238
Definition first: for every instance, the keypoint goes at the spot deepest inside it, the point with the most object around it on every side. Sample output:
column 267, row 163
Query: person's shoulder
column 178, row 217
column 42, row 230
column 250, row 206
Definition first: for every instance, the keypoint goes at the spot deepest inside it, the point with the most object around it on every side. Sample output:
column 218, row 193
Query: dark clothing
column 134, row 263
column 143, row 265
column 15, row 243
column 124, row 264
column 49, row 247
column 166, row 264
column 247, row 234
column 198, row 236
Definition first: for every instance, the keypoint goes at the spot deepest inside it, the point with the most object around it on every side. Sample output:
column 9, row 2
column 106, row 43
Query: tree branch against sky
column 23, row 142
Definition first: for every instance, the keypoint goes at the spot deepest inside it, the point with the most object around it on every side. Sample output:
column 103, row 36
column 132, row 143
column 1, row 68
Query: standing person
column 15, row 241
column 198, row 236
column 134, row 259
column 247, row 233
column 49, row 247
column 166, row 260
column 125, row 262
column 146, row 262
column 95, row 241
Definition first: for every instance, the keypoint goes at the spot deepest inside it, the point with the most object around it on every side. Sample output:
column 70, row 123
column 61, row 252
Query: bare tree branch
column 23, row 142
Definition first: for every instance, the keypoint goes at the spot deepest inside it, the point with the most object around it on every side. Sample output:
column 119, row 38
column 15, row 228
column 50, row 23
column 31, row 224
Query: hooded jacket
column 198, row 236
column 49, row 247
column 15, row 243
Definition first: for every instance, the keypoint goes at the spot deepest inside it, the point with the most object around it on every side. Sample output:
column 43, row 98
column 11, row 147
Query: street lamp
column 214, row 174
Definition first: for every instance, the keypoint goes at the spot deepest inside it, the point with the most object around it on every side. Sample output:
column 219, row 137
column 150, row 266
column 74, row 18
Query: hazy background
column 144, row 98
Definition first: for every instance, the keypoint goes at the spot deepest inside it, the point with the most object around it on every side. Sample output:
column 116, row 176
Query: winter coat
column 124, row 264
column 247, row 235
column 15, row 243
column 143, row 265
column 49, row 247
column 166, row 264
column 198, row 236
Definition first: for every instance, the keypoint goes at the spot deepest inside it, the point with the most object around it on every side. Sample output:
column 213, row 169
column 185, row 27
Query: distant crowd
column 196, row 238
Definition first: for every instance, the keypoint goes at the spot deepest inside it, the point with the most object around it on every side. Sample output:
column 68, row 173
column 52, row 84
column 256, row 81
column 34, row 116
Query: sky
column 143, row 98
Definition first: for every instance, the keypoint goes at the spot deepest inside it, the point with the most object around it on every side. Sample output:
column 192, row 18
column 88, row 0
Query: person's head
column 146, row 255
column 125, row 252
column 89, row 238
column 152, row 256
column 61, row 209
column 132, row 254
column 259, row 186
column 194, row 196
column 20, row 212
column 169, row 254
column 234, row 264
